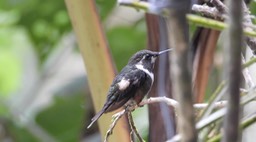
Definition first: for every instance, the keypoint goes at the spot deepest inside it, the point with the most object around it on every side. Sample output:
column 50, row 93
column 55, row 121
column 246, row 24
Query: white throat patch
column 140, row 67
column 153, row 59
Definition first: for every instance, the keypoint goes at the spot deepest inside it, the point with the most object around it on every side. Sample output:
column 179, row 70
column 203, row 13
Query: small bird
column 132, row 83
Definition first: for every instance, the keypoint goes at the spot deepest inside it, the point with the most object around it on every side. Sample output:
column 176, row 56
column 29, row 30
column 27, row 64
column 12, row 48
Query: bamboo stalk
column 97, row 60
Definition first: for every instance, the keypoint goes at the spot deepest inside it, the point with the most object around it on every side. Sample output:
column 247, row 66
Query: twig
column 251, row 42
column 194, row 19
column 243, row 125
column 211, row 118
column 133, row 128
column 213, row 24
column 116, row 117
column 217, row 105
column 220, row 6
column 208, row 11
column 216, row 96
column 134, row 3
column 203, row 123
column 168, row 101
column 218, row 114
column 250, row 62
column 247, row 76
column 175, row 104
column 213, row 12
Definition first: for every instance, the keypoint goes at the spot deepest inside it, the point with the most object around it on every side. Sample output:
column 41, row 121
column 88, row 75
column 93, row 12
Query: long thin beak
column 164, row 51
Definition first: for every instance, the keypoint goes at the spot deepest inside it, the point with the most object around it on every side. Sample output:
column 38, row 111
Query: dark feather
column 117, row 98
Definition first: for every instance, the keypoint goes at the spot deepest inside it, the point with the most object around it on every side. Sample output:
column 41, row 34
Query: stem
column 250, row 62
column 134, row 129
column 243, row 126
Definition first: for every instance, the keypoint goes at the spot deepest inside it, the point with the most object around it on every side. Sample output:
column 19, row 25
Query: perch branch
column 168, row 101
column 116, row 117
column 133, row 128
column 175, row 104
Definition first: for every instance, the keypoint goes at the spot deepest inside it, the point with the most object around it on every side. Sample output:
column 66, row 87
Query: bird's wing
column 123, row 88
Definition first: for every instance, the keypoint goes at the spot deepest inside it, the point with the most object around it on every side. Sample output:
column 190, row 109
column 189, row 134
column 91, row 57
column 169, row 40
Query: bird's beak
column 164, row 51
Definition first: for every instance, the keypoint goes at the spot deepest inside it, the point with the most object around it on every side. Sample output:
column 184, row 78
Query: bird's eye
column 147, row 56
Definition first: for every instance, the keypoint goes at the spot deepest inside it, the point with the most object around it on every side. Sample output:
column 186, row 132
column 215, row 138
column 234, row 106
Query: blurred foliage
column 45, row 21
column 133, row 40
column 41, row 25
column 252, row 7
column 20, row 134
column 10, row 73
column 12, row 66
column 64, row 118
column 105, row 7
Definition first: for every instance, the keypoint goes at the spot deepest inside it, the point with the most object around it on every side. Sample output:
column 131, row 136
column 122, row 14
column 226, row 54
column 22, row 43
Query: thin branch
column 168, row 101
column 216, row 96
column 211, row 118
column 213, row 24
column 247, row 21
column 249, row 63
column 217, row 105
column 219, row 114
column 247, row 76
column 208, row 11
column 214, row 13
column 220, row 6
column 251, row 42
column 175, row 104
column 133, row 128
column 116, row 117
column 193, row 19
column 203, row 123
column 243, row 125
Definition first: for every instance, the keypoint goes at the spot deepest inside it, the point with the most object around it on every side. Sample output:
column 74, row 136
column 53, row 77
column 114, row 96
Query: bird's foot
column 131, row 105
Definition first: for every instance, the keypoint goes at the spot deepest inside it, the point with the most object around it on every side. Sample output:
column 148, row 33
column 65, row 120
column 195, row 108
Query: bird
column 132, row 84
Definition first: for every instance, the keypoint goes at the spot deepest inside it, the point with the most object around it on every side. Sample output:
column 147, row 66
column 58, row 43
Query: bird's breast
column 149, row 73
column 143, row 90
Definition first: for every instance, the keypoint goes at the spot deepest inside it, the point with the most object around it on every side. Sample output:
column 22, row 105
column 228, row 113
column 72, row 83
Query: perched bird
column 132, row 83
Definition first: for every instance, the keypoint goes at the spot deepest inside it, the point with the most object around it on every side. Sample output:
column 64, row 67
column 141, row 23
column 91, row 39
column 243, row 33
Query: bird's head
column 146, row 58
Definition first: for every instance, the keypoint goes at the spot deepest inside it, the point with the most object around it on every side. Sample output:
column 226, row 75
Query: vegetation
column 46, row 95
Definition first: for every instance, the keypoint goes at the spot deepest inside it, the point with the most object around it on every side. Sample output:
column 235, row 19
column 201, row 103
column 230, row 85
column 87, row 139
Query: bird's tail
column 95, row 118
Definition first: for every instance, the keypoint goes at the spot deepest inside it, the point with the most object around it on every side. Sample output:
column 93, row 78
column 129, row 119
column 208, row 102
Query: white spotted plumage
column 123, row 84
